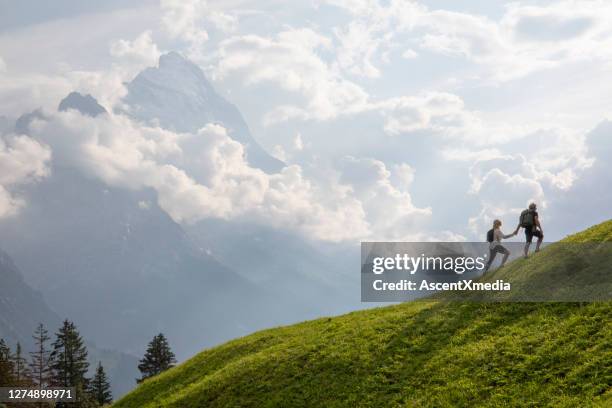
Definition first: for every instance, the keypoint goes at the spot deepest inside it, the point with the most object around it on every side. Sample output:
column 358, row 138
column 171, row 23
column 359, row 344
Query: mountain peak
column 85, row 104
column 175, row 76
column 177, row 96
column 173, row 58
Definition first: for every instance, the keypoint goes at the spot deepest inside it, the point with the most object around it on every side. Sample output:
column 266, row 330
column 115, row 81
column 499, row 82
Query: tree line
column 63, row 363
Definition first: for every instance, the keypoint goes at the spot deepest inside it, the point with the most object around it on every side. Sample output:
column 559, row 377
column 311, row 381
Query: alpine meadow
column 416, row 354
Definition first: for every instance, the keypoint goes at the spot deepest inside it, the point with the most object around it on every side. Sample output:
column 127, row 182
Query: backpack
column 490, row 235
column 527, row 219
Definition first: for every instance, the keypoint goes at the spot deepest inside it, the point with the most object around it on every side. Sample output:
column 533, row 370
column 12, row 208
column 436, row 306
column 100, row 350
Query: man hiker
column 494, row 237
column 531, row 222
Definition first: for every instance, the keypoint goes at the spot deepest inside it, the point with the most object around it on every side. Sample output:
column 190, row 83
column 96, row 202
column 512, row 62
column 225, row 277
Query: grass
column 416, row 354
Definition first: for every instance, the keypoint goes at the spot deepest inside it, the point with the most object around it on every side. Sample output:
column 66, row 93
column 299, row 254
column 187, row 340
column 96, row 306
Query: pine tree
column 69, row 358
column 157, row 358
column 20, row 364
column 6, row 365
column 100, row 387
column 41, row 358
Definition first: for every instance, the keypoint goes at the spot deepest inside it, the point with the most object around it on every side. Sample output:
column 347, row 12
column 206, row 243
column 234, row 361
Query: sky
column 397, row 120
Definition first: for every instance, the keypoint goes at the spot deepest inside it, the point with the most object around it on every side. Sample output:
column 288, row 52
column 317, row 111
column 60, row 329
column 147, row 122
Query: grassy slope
column 414, row 354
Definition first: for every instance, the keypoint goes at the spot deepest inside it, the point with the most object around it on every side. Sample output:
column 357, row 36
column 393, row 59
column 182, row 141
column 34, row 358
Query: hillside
column 423, row 353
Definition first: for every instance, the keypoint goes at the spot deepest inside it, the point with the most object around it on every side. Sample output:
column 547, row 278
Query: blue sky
column 398, row 120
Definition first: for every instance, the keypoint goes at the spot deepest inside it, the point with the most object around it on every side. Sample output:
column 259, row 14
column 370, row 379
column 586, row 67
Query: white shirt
column 498, row 235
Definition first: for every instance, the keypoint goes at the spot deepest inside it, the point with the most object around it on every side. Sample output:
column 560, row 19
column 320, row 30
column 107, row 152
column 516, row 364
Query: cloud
column 290, row 60
column 205, row 175
column 183, row 19
column 225, row 22
column 389, row 207
column 22, row 160
column 404, row 175
column 142, row 49
column 524, row 40
column 437, row 111
column 357, row 48
column 186, row 20
column 557, row 23
column 2, row 65
column 409, row 54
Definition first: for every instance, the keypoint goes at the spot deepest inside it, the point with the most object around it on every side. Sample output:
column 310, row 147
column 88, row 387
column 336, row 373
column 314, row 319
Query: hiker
column 530, row 221
column 494, row 237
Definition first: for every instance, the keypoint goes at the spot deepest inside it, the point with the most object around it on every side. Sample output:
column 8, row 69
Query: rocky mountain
column 86, row 104
column 21, row 307
column 177, row 96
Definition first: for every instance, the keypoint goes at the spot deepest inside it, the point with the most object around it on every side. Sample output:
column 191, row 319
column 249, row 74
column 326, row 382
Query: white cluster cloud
column 439, row 112
column 190, row 21
column 290, row 60
column 205, row 175
column 525, row 39
column 542, row 166
column 182, row 19
column 388, row 206
column 142, row 49
column 357, row 48
column 22, row 160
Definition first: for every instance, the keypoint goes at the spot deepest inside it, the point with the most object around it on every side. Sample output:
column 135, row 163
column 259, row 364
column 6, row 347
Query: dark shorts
column 499, row 248
column 530, row 233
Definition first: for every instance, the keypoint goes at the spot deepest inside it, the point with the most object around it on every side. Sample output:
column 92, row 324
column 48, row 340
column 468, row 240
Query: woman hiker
column 494, row 237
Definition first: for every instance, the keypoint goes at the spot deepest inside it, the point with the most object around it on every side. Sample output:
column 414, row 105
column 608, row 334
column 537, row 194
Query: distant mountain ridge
column 21, row 307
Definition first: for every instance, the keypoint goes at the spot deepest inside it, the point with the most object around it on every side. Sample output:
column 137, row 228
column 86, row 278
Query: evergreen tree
column 157, row 358
column 69, row 358
column 100, row 387
column 21, row 373
column 6, row 365
column 41, row 358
